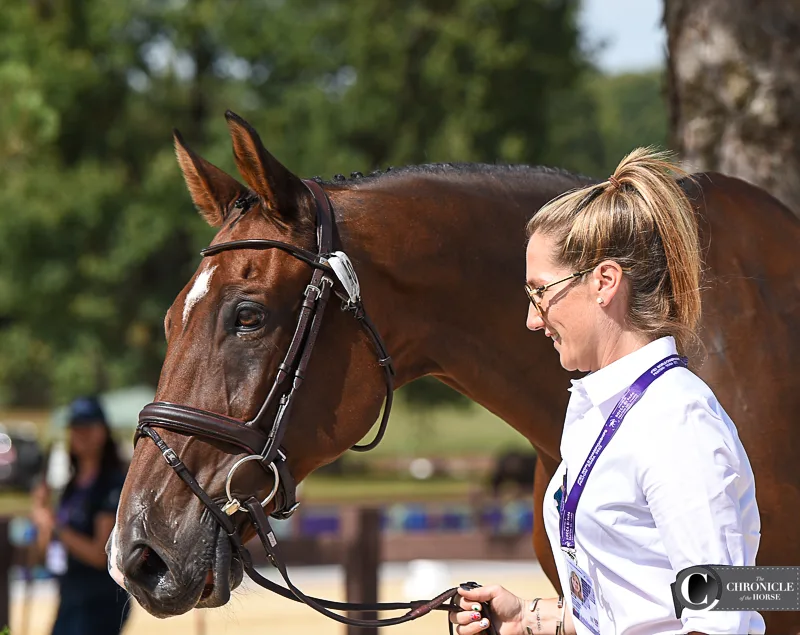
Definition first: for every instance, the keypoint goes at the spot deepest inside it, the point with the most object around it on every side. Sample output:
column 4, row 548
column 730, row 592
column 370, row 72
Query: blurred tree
column 603, row 118
column 734, row 89
column 406, row 81
column 631, row 111
column 97, row 234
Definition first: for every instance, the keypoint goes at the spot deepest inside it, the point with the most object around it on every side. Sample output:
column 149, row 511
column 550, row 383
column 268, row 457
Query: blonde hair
column 641, row 219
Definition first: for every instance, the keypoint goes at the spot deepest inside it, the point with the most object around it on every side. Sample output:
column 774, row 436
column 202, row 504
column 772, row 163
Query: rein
column 328, row 267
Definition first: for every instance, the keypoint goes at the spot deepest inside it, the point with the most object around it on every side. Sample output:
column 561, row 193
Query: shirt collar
column 603, row 384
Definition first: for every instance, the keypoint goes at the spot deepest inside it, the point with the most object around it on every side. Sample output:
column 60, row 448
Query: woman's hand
column 508, row 611
column 43, row 518
column 40, row 494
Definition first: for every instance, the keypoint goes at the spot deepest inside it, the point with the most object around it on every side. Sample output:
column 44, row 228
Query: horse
column 437, row 256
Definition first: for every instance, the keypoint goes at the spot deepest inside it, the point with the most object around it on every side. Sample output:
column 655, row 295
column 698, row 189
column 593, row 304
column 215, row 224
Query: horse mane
column 445, row 169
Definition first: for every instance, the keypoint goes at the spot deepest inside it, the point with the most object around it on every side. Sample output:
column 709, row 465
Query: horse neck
column 441, row 264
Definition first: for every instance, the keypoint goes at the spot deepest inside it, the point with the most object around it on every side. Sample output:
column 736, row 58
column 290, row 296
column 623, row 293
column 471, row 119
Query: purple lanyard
column 570, row 503
column 67, row 507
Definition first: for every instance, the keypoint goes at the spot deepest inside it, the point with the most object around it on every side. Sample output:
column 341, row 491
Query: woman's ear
column 607, row 281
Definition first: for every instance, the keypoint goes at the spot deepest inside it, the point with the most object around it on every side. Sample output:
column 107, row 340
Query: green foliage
column 428, row 392
column 632, row 111
column 97, row 233
column 603, row 118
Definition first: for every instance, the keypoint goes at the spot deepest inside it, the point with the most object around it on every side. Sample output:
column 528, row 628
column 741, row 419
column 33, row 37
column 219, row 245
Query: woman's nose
column 534, row 321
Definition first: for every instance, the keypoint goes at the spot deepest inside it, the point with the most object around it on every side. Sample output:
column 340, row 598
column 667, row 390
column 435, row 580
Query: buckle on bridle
column 171, row 458
column 315, row 290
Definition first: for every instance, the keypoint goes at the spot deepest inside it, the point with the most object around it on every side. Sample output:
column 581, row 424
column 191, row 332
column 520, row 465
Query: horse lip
column 174, row 595
column 226, row 575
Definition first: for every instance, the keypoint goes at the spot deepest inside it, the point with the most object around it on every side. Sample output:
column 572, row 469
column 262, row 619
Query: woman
column 613, row 275
column 74, row 537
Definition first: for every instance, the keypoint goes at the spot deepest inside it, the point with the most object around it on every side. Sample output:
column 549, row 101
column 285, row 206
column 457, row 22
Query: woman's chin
column 561, row 353
column 566, row 363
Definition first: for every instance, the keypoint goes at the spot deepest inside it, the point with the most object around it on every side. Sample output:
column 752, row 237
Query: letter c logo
column 696, row 588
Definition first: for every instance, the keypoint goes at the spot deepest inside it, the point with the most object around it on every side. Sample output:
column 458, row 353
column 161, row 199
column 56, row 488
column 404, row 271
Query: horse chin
column 224, row 575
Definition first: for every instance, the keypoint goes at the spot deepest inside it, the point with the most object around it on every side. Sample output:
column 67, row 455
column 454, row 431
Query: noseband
column 329, row 267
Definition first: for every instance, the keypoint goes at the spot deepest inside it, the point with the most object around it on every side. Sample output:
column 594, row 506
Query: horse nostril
column 145, row 567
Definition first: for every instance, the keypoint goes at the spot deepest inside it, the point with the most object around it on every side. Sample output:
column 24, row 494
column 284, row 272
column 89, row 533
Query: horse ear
column 211, row 189
column 278, row 188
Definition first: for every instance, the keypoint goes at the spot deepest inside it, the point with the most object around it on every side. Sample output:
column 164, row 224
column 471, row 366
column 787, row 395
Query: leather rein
column 329, row 267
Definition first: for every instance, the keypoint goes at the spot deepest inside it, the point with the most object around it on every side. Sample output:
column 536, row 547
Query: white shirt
column 672, row 489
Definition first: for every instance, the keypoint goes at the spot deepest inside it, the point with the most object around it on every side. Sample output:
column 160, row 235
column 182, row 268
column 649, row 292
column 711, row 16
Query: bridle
column 248, row 436
column 329, row 267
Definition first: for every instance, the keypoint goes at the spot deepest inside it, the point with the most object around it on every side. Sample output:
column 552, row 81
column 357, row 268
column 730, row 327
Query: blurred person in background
column 73, row 536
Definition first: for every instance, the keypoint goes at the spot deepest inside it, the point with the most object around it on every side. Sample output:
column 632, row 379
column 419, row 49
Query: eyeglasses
column 534, row 295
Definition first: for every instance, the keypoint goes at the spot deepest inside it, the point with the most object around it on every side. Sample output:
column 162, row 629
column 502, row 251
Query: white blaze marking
column 113, row 556
column 201, row 286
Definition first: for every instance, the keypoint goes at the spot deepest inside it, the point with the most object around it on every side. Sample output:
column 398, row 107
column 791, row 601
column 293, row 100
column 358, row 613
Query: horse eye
column 249, row 318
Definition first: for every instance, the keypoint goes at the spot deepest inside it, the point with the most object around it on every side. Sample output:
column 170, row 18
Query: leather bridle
column 329, row 267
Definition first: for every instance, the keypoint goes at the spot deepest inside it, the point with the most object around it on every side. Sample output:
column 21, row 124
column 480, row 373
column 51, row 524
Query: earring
column 599, row 300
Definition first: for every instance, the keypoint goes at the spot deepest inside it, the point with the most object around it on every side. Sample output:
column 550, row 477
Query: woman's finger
column 481, row 594
column 465, row 617
column 469, row 605
column 474, row 628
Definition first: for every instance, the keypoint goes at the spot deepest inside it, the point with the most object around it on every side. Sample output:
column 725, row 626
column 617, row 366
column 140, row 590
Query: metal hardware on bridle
column 233, row 505
column 265, row 447
column 343, row 268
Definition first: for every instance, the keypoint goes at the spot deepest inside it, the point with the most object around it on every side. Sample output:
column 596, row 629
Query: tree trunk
column 734, row 89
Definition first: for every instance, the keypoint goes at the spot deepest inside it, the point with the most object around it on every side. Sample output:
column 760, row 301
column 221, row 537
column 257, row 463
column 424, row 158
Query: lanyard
column 569, row 504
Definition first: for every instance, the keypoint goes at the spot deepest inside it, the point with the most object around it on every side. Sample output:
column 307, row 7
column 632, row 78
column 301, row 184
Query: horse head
column 229, row 334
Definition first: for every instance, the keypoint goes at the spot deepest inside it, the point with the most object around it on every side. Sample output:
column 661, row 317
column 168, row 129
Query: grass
column 446, row 431
column 14, row 504
column 329, row 489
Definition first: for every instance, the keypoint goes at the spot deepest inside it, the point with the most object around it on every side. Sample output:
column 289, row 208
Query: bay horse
column 439, row 254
